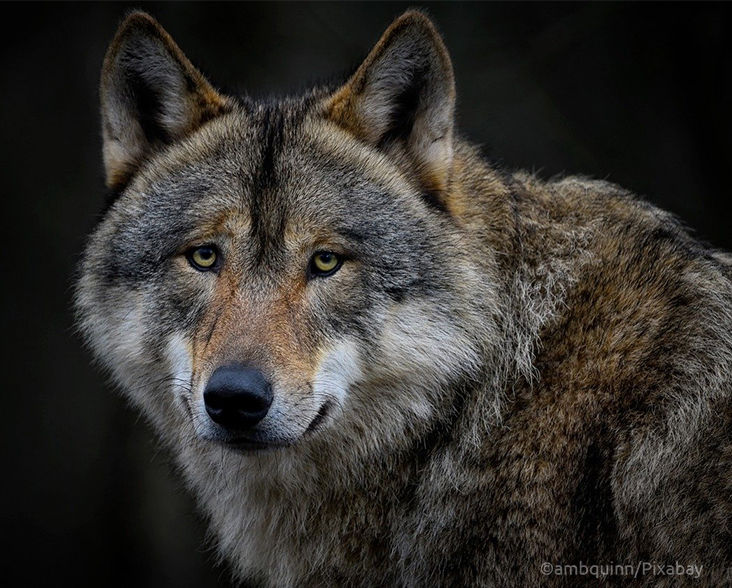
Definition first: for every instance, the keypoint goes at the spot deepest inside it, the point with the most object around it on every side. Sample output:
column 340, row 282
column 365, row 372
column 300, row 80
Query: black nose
column 237, row 396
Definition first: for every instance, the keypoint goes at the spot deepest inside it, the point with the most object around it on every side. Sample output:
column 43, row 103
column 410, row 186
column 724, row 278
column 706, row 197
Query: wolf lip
column 251, row 445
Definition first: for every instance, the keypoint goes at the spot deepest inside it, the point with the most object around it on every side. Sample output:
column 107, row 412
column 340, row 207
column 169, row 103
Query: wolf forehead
column 260, row 157
column 280, row 170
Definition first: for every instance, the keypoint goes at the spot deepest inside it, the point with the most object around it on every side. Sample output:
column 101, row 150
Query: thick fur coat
column 500, row 374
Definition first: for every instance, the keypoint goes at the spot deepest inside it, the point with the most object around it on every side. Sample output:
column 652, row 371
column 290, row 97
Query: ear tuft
column 151, row 95
column 402, row 99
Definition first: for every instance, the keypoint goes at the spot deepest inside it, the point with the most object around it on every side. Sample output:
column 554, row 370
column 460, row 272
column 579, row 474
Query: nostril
column 237, row 396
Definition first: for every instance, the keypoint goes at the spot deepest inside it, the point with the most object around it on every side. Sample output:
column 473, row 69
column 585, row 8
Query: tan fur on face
column 241, row 326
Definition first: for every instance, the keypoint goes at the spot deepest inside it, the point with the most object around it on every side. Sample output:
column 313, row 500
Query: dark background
column 635, row 93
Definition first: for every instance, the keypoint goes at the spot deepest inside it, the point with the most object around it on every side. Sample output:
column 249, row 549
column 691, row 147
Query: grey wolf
column 381, row 360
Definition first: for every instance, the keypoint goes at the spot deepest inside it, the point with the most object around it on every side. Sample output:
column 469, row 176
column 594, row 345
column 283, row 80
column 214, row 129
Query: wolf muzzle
column 237, row 397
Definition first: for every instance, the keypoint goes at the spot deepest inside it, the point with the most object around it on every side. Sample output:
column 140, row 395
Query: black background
column 635, row 93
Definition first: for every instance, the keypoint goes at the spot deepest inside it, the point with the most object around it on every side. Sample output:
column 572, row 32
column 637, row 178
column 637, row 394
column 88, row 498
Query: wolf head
column 283, row 273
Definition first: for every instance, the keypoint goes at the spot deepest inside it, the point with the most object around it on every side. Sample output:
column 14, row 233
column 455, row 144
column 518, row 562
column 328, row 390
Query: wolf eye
column 202, row 258
column 324, row 263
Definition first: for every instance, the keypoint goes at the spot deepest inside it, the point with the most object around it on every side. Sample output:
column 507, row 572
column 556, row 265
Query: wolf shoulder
column 651, row 300
column 637, row 367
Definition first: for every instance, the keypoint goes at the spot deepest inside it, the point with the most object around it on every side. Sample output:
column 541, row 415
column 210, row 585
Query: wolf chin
column 381, row 360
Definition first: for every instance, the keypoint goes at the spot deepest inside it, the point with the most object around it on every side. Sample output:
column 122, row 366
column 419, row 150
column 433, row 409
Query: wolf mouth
column 244, row 445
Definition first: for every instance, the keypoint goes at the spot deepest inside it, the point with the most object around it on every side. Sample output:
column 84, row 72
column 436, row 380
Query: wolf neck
column 538, row 248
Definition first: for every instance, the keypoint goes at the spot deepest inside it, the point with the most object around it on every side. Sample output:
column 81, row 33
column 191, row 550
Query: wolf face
column 282, row 273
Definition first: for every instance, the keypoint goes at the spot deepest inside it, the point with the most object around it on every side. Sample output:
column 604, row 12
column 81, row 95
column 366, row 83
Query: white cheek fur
column 339, row 369
column 180, row 365
column 422, row 346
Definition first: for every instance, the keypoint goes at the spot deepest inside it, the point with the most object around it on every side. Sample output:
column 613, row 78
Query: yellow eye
column 202, row 258
column 324, row 263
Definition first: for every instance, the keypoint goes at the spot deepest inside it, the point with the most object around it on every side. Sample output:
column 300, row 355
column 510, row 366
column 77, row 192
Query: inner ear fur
column 401, row 100
column 151, row 95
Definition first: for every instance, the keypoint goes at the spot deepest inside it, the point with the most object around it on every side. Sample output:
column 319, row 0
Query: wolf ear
column 151, row 95
column 402, row 99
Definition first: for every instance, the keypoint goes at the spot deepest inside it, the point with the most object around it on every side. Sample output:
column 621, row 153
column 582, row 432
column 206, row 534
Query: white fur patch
column 419, row 344
column 119, row 341
column 339, row 369
column 180, row 365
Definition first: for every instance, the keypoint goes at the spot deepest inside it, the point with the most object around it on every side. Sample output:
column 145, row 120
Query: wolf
column 382, row 360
